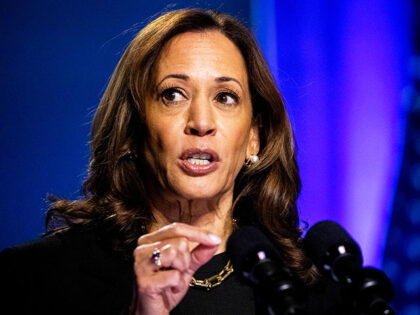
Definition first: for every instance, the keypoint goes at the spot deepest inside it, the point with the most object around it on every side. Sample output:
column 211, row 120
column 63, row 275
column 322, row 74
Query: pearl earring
column 252, row 159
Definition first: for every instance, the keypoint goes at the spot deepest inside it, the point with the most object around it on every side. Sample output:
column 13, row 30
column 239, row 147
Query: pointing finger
column 192, row 233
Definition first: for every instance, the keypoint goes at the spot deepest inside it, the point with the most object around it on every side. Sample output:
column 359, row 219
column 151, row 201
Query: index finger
column 191, row 233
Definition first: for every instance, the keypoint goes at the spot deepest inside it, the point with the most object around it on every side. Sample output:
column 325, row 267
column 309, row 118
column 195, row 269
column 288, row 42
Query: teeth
column 202, row 156
column 198, row 161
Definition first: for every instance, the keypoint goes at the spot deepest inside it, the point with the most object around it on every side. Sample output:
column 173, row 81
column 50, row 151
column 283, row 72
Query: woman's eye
column 227, row 98
column 172, row 95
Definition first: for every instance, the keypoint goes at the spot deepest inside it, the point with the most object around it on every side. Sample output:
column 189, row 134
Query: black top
column 232, row 296
column 74, row 272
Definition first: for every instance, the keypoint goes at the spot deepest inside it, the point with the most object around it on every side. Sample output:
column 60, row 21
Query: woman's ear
column 254, row 137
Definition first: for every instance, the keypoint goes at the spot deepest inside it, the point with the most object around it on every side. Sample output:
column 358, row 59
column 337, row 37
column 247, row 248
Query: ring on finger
column 156, row 257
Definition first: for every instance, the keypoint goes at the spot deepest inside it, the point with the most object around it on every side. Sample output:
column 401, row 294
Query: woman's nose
column 200, row 120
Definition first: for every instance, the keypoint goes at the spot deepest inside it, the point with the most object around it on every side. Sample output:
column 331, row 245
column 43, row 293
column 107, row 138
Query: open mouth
column 198, row 162
column 200, row 159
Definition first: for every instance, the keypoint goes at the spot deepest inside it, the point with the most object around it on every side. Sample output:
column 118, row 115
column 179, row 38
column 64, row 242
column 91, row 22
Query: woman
column 190, row 140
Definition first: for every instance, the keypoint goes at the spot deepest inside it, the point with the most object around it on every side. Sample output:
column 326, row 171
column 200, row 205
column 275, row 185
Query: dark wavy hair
column 114, row 194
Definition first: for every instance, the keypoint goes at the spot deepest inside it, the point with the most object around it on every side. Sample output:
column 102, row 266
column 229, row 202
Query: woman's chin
column 211, row 186
column 199, row 195
column 200, row 192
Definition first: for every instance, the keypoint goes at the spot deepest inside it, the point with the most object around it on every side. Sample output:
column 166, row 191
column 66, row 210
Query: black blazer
column 74, row 272
column 65, row 273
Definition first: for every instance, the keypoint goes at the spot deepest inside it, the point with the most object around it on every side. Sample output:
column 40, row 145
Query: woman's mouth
column 199, row 162
column 200, row 159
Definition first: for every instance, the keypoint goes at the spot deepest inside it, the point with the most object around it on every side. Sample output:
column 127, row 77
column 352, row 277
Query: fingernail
column 215, row 238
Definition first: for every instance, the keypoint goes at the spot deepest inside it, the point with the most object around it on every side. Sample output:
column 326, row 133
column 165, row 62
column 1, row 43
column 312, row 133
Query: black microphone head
column 246, row 242
column 325, row 235
column 255, row 258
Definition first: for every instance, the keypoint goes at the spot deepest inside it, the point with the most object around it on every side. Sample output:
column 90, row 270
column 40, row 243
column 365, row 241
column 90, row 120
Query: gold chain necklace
column 215, row 280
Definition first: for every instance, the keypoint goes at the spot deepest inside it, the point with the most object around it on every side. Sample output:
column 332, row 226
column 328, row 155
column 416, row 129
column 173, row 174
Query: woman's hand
column 161, row 288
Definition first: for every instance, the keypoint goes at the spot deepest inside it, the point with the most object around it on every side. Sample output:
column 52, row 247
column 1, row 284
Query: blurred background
column 349, row 71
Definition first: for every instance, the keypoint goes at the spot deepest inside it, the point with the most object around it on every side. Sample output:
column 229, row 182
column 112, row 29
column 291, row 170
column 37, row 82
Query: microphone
column 333, row 251
column 256, row 259
column 338, row 256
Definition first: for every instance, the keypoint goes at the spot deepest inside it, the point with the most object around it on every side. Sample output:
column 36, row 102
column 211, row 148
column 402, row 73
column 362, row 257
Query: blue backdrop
column 342, row 67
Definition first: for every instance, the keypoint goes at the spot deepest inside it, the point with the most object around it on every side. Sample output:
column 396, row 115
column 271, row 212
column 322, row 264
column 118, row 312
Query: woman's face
column 199, row 117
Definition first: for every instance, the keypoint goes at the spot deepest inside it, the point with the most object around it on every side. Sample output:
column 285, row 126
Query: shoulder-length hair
column 114, row 194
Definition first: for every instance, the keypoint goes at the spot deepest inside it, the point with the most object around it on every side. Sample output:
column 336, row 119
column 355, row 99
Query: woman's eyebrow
column 186, row 78
column 176, row 76
column 227, row 79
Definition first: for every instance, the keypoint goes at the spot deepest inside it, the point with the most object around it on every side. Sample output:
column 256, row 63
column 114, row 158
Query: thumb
column 200, row 255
